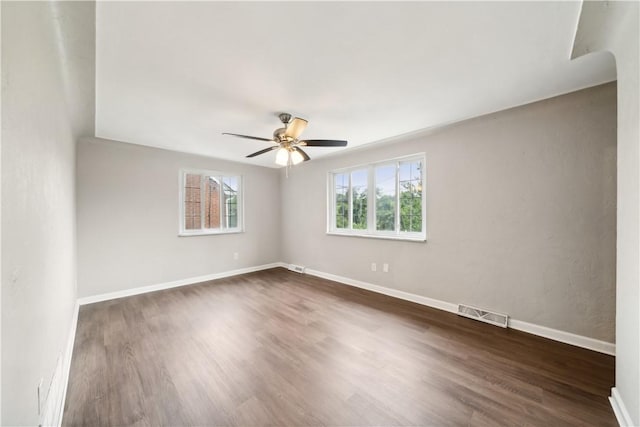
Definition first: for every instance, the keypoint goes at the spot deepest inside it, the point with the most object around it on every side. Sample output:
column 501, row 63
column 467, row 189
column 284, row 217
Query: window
column 383, row 199
column 359, row 199
column 210, row 203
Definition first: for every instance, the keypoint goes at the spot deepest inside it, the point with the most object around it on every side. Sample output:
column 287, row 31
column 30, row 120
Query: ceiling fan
column 287, row 142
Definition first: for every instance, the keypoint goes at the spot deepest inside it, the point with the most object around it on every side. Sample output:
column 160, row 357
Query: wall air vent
column 497, row 319
column 296, row 268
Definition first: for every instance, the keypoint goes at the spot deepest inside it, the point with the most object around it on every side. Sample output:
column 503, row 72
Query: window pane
column 411, row 196
column 341, row 181
column 230, row 189
column 385, row 197
column 359, row 181
column 192, row 202
column 211, row 202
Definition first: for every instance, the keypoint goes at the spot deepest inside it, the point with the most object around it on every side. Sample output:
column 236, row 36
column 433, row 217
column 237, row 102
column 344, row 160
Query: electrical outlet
column 385, row 267
column 236, row 256
column 374, row 267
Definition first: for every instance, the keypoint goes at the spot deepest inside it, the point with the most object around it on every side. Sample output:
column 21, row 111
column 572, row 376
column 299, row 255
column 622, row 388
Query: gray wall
column 128, row 217
column 48, row 72
column 521, row 215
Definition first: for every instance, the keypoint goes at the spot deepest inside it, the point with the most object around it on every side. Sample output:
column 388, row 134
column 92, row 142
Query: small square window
column 210, row 203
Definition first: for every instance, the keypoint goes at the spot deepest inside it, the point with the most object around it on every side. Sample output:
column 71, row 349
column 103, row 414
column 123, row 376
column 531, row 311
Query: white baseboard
column 430, row 302
column 619, row 409
column 565, row 337
column 543, row 331
column 67, row 362
column 176, row 283
column 53, row 405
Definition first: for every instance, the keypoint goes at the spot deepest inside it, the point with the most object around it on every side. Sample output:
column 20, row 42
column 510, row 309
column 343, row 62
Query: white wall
column 48, row 72
column 614, row 27
column 521, row 215
column 128, row 219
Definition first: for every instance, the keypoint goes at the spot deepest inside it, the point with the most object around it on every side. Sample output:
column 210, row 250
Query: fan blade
column 324, row 143
column 304, row 155
column 266, row 150
column 248, row 137
column 295, row 128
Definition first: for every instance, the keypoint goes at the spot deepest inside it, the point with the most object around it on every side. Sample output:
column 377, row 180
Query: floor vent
column 296, row 268
column 497, row 319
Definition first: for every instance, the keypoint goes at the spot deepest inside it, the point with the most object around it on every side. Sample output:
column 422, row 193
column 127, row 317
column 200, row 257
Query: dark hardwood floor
column 280, row 348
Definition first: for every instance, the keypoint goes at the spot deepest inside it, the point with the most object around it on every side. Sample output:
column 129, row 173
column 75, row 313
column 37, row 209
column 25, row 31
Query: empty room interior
column 320, row 213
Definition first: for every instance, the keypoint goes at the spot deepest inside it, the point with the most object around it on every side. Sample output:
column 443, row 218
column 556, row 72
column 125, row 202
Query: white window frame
column 224, row 229
column 371, row 202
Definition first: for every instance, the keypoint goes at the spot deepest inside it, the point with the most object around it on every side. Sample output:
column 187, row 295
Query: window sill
column 418, row 239
column 208, row 233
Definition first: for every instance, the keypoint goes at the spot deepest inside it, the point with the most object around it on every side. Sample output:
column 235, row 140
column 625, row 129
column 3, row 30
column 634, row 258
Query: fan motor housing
column 278, row 134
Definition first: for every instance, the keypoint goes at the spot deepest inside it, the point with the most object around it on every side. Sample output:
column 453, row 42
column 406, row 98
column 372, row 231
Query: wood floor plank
column 281, row 348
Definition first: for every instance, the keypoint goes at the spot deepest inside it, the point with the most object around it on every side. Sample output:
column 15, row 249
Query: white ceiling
column 176, row 75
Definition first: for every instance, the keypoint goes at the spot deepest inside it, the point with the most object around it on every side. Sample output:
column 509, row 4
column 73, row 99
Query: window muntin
column 210, row 203
column 383, row 199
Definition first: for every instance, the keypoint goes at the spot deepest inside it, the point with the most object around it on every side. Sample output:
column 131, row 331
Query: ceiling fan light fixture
column 282, row 157
column 287, row 144
column 296, row 157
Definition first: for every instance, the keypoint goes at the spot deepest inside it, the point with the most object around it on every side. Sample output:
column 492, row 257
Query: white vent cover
column 497, row 319
column 296, row 268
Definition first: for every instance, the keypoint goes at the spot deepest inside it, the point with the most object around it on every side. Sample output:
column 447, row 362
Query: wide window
column 210, row 203
column 383, row 199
